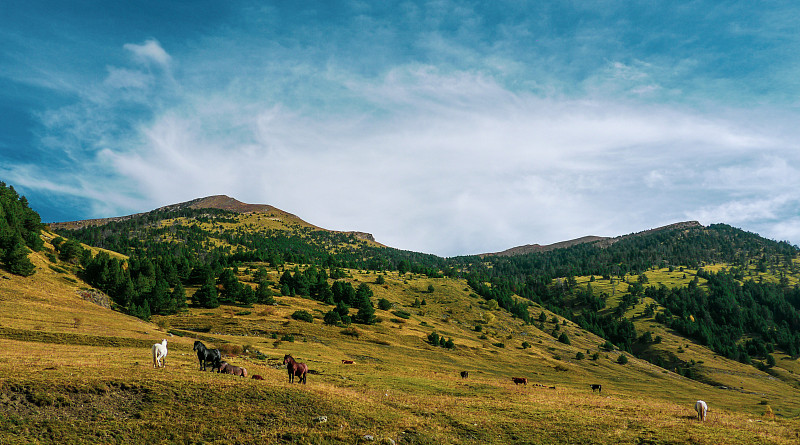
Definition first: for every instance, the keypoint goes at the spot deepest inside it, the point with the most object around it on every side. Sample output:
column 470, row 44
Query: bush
column 563, row 338
column 402, row 314
column 525, row 345
column 384, row 304
column 579, row 356
column 622, row 359
column 303, row 316
column 380, row 280
column 353, row 332
column 332, row 318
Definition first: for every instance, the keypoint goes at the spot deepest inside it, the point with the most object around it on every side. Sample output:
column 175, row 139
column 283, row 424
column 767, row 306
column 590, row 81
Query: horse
column 207, row 356
column 257, row 377
column 464, row 374
column 227, row 368
column 518, row 380
column 159, row 353
column 295, row 369
column 599, row 388
column 702, row 409
column 348, row 362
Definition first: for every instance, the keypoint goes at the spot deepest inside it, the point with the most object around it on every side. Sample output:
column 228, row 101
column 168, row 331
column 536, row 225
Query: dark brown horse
column 227, row 368
column 295, row 369
column 518, row 380
column 464, row 374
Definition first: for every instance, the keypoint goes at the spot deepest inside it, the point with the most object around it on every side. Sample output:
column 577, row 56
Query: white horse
column 701, row 408
column 159, row 352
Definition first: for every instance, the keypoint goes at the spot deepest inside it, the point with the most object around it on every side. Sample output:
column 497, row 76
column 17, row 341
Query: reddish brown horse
column 295, row 369
column 348, row 362
column 227, row 368
column 518, row 380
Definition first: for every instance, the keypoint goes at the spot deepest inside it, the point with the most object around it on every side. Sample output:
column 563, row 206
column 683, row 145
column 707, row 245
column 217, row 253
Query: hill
column 75, row 372
column 562, row 318
column 219, row 202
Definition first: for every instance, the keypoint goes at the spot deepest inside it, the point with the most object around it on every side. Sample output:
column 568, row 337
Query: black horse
column 207, row 356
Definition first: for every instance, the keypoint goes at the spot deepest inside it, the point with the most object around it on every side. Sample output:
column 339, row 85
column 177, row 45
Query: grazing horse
column 701, row 408
column 227, row 368
column 295, row 369
column 257, row 377
column 599, row 388
column 159, row 352
column 207, row 356
column 348, row 362
column 464, row 374
column 518, row 380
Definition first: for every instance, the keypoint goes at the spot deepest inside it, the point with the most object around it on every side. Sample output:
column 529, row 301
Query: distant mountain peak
column 222, row 202
column 602, row 241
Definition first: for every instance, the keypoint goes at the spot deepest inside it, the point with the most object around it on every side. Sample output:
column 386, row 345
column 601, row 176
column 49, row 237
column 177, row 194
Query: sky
column 445, row 127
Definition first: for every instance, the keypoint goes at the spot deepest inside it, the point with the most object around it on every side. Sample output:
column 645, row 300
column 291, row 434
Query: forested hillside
column 746, row 310
column 19, row 231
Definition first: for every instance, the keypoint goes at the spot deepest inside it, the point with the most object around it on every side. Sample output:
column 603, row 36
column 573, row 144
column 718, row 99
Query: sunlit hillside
column 77, row 372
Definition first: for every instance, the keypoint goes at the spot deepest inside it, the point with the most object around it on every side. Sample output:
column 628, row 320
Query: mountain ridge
column 603, row 241
column 220, row 202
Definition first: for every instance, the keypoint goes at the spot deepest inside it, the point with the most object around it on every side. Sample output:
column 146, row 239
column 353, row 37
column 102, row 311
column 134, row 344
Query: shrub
column 525, row 345
column 332, row 318
column 380, row 280
column 402, row 314
column 384, row 304
column 288, row 337
column 230, row 349
column 622, row 359
column 563, row 338
column 303, row 316
column 353, row 332
column 499, row 345
column 579, row 356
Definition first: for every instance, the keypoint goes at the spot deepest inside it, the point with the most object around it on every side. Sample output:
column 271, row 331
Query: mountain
column 598, row 240
column 219, row 202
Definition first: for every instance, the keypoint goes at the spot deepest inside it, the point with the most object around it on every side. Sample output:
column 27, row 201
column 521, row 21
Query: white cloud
column 149, row 51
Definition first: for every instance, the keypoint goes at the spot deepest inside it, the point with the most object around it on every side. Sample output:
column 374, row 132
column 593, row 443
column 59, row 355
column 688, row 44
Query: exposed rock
column 96, row 297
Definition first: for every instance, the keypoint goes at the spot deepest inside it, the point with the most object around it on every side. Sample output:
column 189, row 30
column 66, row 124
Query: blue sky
column 439, row 126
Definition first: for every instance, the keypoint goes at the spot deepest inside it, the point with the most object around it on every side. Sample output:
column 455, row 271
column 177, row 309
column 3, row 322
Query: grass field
column 74, row 372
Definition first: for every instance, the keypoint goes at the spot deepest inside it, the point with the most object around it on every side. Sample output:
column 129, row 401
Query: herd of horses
column 213, row 358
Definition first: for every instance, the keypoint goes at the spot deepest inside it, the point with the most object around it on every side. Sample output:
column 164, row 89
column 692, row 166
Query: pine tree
column 17, row 262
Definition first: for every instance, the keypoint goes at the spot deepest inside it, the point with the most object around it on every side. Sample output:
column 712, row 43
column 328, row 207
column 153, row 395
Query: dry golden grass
column 400, row 388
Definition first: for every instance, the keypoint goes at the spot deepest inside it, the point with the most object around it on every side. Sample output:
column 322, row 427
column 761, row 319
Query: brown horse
column 348, row 362
column 227, row 368
column 464, row 374
column 257, row 377
column 295, row 369
column 518, row 380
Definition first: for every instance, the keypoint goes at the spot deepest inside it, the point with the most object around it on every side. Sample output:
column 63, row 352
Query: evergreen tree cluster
column 20, row 228
column 727, row 312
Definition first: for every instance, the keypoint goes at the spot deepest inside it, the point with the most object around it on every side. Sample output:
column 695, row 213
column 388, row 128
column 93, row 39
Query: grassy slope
column 75, row 372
